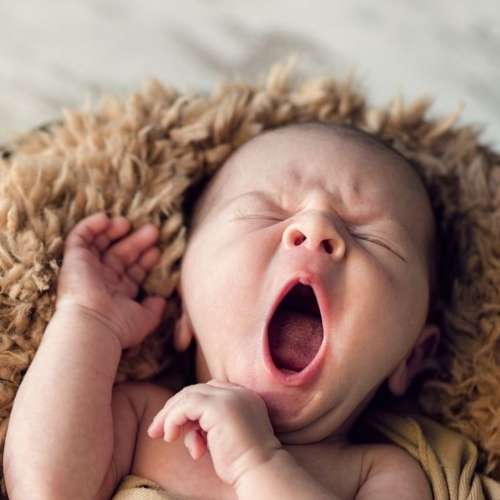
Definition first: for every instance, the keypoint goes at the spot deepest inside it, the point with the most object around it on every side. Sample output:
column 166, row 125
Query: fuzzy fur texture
column 142, row 157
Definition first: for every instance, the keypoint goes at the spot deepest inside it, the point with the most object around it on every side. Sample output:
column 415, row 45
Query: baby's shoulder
column 373, row 454
column 390, row 469
column 363, row 470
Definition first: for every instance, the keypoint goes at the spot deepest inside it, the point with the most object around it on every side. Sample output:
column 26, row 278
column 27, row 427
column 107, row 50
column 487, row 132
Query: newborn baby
column 306, row 285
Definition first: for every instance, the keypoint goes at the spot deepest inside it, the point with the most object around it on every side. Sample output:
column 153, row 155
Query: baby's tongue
column 294, row 338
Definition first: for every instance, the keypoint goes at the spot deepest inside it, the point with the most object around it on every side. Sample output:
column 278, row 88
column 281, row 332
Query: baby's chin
column 308, row 434
column 296, row 424
column 313, row 431
column 283, row 412
column 312, row 423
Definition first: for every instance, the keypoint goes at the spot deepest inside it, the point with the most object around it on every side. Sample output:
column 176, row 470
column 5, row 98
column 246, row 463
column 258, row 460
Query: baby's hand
column 228, row 418
column 102, row 279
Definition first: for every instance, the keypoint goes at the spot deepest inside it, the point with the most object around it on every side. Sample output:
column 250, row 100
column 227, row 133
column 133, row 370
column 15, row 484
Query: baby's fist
column 232, row 422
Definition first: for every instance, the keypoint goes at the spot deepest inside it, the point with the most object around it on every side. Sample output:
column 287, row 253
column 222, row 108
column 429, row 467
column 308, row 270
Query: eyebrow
column 364, row 211
column 254, row 192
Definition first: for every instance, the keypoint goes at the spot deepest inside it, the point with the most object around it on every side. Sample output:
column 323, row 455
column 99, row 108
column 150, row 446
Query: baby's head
column 301, row 208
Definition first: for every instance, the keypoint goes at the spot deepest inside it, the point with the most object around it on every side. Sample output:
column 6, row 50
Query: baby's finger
column 196, row 393
column 147, row 260
column 185, row 410
column 155, row 429
column 86, row 231
column 155, row 306
column 118, row 227
column 195, row 443
column 130, row 248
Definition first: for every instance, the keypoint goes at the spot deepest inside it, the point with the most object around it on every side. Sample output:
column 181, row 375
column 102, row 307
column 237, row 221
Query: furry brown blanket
column 148, row 156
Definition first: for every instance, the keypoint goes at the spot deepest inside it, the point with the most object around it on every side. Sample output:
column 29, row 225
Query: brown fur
column 138, row 157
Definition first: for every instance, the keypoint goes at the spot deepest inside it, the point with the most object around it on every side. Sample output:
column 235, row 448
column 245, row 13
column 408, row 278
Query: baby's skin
column 74, row 434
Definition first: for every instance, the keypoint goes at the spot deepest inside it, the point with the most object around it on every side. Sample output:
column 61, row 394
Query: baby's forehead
column 298, row 155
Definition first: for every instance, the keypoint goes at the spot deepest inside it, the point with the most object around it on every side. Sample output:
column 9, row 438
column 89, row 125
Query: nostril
column 299, row 239
column 328, row 246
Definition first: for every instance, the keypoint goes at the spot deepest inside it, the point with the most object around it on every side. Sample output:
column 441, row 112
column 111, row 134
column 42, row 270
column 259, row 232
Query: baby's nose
column 317, row 232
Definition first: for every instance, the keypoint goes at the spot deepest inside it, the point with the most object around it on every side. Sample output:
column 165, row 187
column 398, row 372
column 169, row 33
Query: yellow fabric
column 137, row 488
column 448, row 458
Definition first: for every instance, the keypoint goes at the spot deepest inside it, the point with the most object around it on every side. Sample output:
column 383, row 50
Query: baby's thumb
column 156, row 307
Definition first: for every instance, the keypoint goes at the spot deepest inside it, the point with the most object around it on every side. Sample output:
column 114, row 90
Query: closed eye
column 370, row 239
column 377, row 242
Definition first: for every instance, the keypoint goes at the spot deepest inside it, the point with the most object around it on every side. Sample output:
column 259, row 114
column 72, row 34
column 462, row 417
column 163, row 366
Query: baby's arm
column 390, row 472
column 60, row 436
column 281, row 477
column 60, row 440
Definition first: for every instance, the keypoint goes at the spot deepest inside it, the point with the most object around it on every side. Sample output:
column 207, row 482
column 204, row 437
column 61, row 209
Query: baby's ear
column 183, row 332
column 178, row 287
column 424, row 348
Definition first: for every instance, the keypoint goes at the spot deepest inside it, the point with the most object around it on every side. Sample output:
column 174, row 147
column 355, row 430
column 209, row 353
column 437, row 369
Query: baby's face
column 350, row 216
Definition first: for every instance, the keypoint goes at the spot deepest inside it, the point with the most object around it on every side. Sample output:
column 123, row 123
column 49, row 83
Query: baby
column 306, row 285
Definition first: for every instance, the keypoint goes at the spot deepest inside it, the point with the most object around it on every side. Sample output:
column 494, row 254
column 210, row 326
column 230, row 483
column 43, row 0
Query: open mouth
column 295, row 331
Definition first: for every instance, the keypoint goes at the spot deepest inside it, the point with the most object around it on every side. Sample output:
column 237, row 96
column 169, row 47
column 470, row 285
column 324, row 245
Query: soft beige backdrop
column 53, row 54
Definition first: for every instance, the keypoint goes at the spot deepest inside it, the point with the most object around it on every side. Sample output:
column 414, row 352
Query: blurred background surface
column 57, row 54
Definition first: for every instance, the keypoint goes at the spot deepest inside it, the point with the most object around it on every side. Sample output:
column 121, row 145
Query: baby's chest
column 171, row 466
